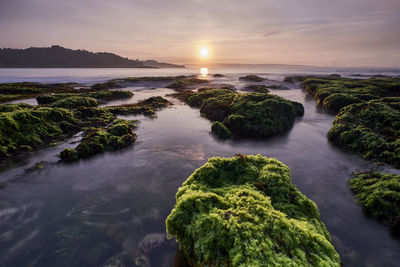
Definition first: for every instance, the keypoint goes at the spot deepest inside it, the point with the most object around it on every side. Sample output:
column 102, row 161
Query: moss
column 69, row 155
column 32, row 88
column 220, row 130
column 245, row 211
column 109, row 95
column 380, row 195
column 252, row 78
column 146, row 107
column 24, row 127
column 259, row 88
column 115, row 136
column 370, row 128
column 185, row 82
column 71, row 102
column 246, row 115
column 335, row 93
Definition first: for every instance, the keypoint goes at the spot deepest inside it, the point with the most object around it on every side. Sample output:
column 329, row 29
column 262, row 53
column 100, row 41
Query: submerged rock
column 245, row 211
column 379, row 193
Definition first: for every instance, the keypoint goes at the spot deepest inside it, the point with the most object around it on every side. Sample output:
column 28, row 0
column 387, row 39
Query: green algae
column 146, row 107
column 259, row 88
column 245, row 114
column 23, row 126
column 245, row 211
column 23, row 90
column 252, row 78
column 115, row 136
column 182, row 83
column 379, row 193
column 220, row 130
column 371, row 129
column 336, row 93
column 72, row 102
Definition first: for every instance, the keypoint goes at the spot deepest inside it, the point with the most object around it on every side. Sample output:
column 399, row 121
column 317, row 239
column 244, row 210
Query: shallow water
column 114, row 205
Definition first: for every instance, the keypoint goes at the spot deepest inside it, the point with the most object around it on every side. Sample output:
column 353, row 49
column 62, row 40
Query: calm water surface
column 113, row 206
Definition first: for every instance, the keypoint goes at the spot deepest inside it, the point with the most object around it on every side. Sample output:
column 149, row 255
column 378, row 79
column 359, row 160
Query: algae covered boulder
column 245, row 114
column 220, row 130
column 252, row 78
column 335, row 93
column 370, row 128
column 245, row 211
column 379, row 193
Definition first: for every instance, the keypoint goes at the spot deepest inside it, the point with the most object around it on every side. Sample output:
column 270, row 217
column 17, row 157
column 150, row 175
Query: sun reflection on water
column 204, row 72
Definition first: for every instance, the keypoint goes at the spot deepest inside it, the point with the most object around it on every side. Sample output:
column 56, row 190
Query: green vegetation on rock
column 258, row 88
column 252, row 78
column 23, row 127
column 245, row 211
column 335, row 93
column 380, row 195
column 23, row 90
column 245, row 114
column 370, row 128
column 182, row 83
column 220, row 130
column 115, row 136
column 71, row 102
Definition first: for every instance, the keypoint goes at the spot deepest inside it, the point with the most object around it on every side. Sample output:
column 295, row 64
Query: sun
column 204, row 52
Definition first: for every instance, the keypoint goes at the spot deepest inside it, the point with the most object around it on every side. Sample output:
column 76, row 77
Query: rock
column 245, row 211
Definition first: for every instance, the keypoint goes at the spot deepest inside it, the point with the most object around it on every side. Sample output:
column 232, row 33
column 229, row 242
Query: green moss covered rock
column 184, row 82
column 115, row 136
column 74, row 102
column 335, row 93
column 380, row 195
column 252, row 78
column 220, row 130
column 370, row 128
column 245, row 114
column 245, row 211
column 259, row 88
column 24, row 126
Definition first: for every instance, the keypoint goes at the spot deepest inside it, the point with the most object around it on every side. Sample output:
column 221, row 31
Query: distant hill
column 60, row 57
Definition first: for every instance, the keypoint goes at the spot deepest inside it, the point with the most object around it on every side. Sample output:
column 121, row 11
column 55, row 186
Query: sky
column 309, row 32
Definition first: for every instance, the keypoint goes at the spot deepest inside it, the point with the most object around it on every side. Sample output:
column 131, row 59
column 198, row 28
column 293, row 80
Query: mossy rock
column 245, row 114
column 245, row 211
column 379, row 193
column 258, row 88
column 370, row 128
column 252, row 78
column 72, row 102
column 185, row 82
column 24, row 127
column 69, row 155
column 335, row 93
column 220, row 130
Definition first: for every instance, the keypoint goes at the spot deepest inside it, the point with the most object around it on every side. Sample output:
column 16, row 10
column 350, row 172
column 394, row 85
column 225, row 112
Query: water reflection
column 204, row 72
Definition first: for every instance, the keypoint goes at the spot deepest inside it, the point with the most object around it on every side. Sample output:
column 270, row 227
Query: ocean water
column 112, row 207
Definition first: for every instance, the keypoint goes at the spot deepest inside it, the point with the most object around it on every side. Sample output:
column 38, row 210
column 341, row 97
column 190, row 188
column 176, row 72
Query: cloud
column 256, row 31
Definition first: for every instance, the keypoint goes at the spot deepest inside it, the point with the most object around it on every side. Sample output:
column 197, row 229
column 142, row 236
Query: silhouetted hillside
column 60, row 57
